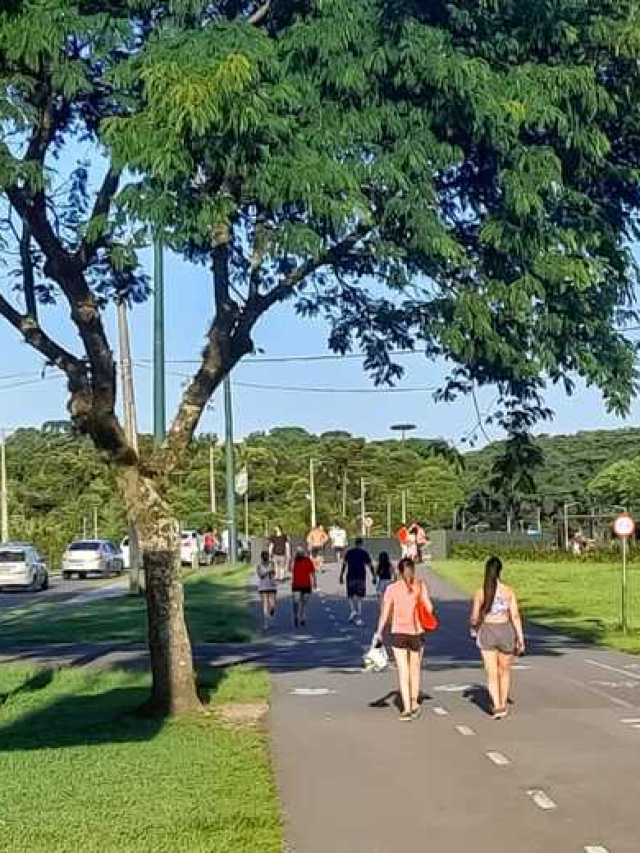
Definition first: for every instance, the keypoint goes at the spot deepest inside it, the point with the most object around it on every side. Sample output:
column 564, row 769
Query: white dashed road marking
column 465, row 731
column 312, row 691
column 631, row 721
column 441, row 712
column 595, row 850
column 612, row 668
column 498, row 758
column 542, row 800
column 452, row 688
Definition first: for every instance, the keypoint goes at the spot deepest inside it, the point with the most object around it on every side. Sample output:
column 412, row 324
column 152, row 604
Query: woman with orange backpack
column 408, row 607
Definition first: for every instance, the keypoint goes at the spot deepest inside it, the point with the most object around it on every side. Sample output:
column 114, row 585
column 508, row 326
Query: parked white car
column 22, row 567
column 92, row 557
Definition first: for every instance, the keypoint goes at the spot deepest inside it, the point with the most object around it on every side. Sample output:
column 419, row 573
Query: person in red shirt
column 304, row 581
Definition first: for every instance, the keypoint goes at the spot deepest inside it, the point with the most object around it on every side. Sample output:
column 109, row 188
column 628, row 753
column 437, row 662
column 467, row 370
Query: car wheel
column 82, row 576
column 66, row 576
column 45, row 582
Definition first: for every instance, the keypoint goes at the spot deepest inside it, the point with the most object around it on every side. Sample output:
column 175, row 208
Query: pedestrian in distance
column 338, row 538
column 399, row 608
column 267, row 587
column 497, row 627
column 280, row 552
column 316, row 540
column 354, row 566
column 384, row 574
column 304, row 581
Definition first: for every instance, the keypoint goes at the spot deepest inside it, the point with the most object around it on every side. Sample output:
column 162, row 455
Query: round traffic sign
column 624, row 526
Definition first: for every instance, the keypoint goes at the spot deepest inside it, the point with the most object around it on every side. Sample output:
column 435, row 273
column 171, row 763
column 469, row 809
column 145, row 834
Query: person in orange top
column 304, row 581
column 407, row 636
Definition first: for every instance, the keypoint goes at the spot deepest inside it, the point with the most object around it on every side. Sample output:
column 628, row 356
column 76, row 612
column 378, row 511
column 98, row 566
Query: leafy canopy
column 458, row 174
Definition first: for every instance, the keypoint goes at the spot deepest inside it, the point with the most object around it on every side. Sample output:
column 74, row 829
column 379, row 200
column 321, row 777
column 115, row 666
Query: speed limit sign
column 624, row 526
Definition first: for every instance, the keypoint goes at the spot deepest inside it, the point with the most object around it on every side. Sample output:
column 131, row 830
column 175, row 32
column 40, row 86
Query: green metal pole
column 159, row 399
column 232, row 555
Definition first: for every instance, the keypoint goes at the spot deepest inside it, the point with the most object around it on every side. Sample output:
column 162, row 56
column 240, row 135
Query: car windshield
column 12, row 556
column 85, row 546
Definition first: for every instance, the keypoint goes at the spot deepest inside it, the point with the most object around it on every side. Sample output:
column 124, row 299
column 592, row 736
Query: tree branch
column 260, row 14
column 29, row 284
column 101, row 209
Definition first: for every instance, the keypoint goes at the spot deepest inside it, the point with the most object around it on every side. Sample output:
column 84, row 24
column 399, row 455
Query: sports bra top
column 501, row 605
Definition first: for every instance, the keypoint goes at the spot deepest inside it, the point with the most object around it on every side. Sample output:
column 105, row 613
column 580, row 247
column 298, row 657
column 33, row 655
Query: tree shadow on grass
column 78, row 719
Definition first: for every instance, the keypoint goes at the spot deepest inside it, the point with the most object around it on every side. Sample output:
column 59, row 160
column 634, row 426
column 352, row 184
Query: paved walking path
column 561, row 774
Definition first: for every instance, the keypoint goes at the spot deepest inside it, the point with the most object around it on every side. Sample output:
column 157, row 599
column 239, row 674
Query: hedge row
column 606, row 554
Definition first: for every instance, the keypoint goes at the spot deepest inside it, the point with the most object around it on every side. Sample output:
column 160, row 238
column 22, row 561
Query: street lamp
column 403, row 429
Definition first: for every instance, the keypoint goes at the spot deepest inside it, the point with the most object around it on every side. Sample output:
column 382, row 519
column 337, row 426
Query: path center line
column 498, row 758
column 542, row 800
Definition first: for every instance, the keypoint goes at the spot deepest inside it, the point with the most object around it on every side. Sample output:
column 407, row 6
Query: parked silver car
column 92, row 557
column 22, row 567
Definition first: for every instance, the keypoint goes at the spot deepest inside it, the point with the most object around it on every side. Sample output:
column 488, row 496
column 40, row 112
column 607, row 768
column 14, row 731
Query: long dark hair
column 492, row 571
column 384, row 564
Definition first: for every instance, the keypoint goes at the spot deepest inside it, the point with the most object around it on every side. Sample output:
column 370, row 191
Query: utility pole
column 95, row 522
column 389, row 522
column 344, row 494
column 4, row 504
column 404, row 506
column 159, row 401
column 312, row 492
column 363, row 508
column 232, row 553
column 246, row 509
column 131, row 432
column 212, row 481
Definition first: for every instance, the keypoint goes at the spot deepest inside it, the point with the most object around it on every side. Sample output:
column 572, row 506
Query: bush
column 481, row 551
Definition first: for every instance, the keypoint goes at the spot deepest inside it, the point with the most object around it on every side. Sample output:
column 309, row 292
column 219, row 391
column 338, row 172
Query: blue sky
column 188, row 301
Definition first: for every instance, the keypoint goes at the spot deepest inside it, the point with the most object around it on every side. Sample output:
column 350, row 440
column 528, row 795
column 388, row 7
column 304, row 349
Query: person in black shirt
column 280, row 553
column 355, row 564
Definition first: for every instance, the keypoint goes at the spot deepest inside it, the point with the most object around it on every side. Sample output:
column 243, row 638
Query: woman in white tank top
column 496, row 624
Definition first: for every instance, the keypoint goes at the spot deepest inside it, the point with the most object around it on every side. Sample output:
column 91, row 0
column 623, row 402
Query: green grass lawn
column 80, row 772
column 216, row 606
column 578, row 599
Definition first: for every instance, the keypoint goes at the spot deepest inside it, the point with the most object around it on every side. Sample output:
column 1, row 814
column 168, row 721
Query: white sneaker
column 359, row 622
column 352, row 617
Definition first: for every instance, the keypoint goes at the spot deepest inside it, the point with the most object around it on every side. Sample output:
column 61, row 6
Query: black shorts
column 356, row 587
column 409, row 642
column 316, row 552
column 301, row 590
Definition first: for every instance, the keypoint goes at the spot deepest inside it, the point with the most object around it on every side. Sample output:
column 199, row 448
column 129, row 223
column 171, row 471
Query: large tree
column 459, row 174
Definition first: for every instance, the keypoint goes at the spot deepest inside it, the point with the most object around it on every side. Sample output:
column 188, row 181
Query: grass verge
column 578, row 599
column 80, row 772
column 216, row 603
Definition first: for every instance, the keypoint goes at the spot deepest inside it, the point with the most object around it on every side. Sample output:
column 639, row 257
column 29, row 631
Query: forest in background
column 58, row 483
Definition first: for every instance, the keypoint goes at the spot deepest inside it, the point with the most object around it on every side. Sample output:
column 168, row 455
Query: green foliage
column 56, row 480
column 539, row 553
column 570, row 472
column 618, row 483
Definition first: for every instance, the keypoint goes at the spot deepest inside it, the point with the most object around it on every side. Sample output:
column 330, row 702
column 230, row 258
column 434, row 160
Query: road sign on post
column 624, row 527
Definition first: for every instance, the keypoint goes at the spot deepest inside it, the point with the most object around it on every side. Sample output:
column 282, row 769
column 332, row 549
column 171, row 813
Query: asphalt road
column 560, row 774
column 59, row 590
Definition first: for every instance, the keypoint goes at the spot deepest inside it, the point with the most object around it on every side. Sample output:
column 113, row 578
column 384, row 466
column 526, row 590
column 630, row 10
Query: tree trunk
column 173, row 689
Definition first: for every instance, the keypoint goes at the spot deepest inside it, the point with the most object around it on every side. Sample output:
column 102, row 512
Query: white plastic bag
column 377, row 658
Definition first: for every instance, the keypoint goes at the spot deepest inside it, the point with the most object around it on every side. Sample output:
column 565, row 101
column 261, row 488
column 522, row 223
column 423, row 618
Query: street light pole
column 363, row 508
column 312, row 492
column 4, row 508
column 232, row 554
column 404, row 506
column 212, row 481
column 159, row 400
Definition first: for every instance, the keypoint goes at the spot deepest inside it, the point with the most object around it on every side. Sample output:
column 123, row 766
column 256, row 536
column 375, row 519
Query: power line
column 27, row 382
column 307, row 390
column 285, row 359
